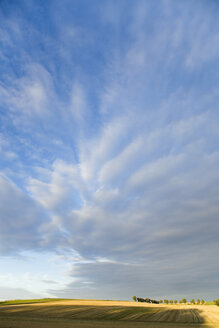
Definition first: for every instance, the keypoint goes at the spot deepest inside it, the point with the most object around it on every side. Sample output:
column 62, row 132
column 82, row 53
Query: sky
column 109, row 158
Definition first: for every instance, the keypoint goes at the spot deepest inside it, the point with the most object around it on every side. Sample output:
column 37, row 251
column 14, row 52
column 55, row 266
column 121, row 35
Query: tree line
column 183, row 301
column 147, row 300
column 165, row 301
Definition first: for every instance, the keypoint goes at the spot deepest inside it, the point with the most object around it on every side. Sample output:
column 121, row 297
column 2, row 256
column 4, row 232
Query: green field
column 90, row 313
column 31, row 301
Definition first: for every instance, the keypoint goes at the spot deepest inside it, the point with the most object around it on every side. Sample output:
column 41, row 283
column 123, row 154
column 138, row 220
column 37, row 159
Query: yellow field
column 109, row 314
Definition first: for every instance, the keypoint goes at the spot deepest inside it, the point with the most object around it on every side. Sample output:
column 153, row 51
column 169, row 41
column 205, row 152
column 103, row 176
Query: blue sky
column 109, row 180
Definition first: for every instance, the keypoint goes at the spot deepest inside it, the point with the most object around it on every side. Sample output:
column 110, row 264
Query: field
column 109, row 314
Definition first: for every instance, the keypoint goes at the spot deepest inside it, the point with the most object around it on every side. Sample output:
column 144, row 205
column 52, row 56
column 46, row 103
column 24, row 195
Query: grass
column 31, row 301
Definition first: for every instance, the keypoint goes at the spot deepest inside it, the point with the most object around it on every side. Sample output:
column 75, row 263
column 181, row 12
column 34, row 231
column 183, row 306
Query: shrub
column 134, row 298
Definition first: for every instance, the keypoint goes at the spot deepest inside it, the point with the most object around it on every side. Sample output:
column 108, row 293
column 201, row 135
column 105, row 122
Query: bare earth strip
column 109, row 314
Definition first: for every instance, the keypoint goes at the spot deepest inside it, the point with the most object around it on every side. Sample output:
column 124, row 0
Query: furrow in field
column 196, row 316
column 172, row 315
column 83, row 313
column 159, row 316
column 185, row 316
column 140, row 316
column 109, row 313
column 167, row 316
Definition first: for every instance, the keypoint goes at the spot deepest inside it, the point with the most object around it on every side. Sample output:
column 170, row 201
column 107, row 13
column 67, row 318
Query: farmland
column 94, row 313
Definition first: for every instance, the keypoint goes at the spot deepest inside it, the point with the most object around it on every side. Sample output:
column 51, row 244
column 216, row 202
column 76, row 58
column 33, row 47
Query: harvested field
column 91, row 313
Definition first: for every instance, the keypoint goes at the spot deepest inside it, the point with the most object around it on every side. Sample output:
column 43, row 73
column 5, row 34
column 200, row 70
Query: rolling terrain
column 93, row 313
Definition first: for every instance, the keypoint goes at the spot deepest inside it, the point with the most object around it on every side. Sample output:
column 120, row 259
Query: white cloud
column 94, row 153
column 59, row 188
column 203, row 42
column 22, row 220
column 78, row 103
column 30, row 99
column 34, row 92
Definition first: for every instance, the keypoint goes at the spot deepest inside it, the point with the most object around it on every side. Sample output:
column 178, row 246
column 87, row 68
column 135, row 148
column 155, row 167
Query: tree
column 171, row 301
column 134, row 298
column 180, row 302
column 161, row 301
column 175, row 301
column 198, row 301
column 166, row 301
column 202, row 302
column 192, row 301
column 216, row 302
column 184, row 300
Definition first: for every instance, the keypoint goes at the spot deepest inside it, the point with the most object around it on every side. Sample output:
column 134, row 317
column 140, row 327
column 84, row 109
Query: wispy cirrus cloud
column 22, row 220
